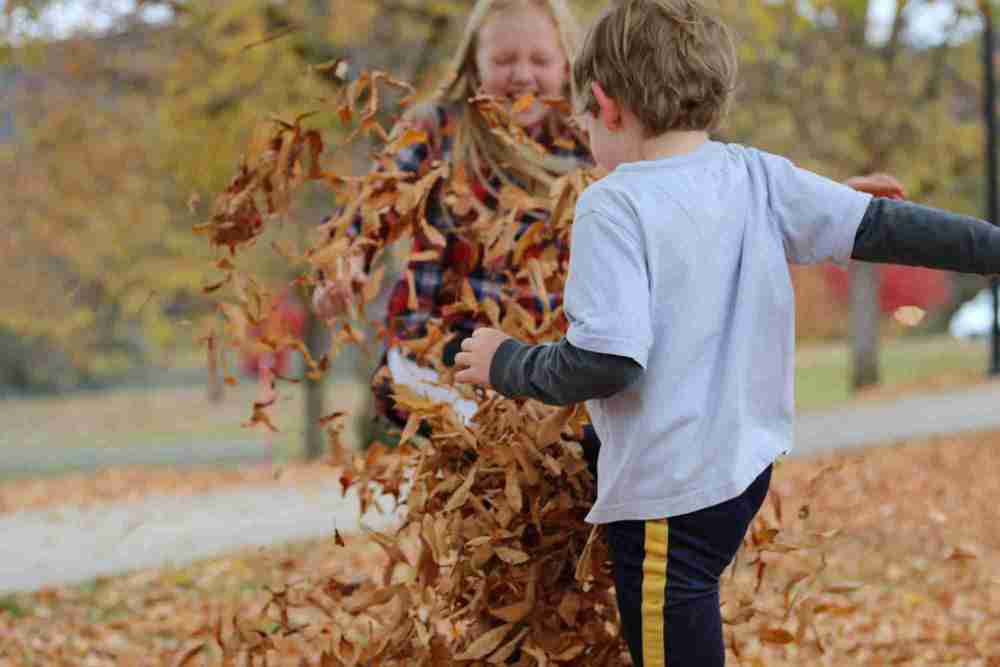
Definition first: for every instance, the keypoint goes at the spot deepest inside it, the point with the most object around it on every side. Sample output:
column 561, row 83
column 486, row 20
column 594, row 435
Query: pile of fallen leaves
column 493, row 563
column 910, row 575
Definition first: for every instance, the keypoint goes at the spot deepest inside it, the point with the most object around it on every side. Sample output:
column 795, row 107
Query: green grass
column 10, row 605
column 912, row 364
column 148, row 416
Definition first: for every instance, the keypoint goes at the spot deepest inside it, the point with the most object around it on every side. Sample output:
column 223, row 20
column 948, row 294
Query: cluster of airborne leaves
column 491, row 562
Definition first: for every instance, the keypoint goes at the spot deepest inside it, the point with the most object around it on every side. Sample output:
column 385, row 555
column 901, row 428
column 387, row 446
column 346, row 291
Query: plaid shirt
column 437, row 284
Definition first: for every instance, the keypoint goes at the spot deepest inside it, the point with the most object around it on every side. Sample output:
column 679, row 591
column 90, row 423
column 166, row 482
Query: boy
column 680, row 309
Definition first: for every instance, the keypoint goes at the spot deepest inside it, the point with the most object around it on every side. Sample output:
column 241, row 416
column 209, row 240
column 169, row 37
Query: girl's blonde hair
column 474, row 143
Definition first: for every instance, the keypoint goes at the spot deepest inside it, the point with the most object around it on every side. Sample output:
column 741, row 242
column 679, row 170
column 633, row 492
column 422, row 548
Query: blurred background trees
column 120, row 121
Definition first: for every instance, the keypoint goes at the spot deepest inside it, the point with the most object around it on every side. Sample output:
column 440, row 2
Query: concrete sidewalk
column 866, row 423
column 71, row 545
column 68, row 545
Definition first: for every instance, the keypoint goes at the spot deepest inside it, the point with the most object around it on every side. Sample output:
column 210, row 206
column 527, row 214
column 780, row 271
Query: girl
column 510, row 48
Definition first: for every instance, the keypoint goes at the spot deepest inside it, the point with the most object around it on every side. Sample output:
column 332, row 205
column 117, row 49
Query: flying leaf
column 523, row 103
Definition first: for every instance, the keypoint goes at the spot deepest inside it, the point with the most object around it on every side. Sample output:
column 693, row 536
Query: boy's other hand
column 878, row 185
column 477, row 355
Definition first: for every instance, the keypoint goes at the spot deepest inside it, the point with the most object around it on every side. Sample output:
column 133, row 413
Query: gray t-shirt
column 682, row 265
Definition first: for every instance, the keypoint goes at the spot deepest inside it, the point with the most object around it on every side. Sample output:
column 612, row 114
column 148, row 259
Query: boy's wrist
column 501, row 364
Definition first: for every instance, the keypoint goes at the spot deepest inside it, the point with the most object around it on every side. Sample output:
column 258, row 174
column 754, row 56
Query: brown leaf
column 260, row 416
column 485, row 643
column 514, row 613
column 960, row 554
column 559, row 104
column 185, row 658
column 835, row 610
column 411, row 428
column 776, row 500
column 776, row 636
column 523, row 103
column 843, row 587
column 569, row 607
column 461, row 496
column 570, row 653
column 411, row 301
column 408, row 138
column 511, row 556
column 504, row 652
column 512, row 490
column 550, row 429
column 518, row 611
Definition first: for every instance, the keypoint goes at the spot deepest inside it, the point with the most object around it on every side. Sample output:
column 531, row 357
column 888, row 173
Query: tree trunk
column 865, row 314
column 313, row 333
column 215, row 386
column 315, row 438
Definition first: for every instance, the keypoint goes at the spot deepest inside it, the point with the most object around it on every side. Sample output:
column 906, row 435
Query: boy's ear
column 610, row 112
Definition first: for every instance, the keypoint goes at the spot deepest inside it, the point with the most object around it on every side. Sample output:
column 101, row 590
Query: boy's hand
column 477, row 355
column 878, row 185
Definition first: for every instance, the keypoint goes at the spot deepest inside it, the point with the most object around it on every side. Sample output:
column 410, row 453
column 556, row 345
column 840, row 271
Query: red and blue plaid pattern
column 438, row 284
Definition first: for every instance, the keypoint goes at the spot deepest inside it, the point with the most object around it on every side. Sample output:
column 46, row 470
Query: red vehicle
column 899, row 286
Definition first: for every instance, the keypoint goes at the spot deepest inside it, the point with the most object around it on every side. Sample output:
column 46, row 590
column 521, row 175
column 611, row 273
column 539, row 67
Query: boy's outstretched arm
column 554, row 373
column 901, row 232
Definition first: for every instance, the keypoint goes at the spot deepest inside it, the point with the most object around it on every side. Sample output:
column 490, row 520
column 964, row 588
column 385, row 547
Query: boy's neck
column 671, row 144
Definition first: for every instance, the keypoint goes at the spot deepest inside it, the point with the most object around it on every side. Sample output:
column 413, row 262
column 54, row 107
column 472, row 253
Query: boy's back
column 682, row 265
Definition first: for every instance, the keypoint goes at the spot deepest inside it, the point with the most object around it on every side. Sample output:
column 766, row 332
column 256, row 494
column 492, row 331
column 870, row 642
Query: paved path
column 866, row 423
column 25, row 462
column 67, row 545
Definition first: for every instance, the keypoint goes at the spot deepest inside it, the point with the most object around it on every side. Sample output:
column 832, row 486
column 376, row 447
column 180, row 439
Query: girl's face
column 518, row 52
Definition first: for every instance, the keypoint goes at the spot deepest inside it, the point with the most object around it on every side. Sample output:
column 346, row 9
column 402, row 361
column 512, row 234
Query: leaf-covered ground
column 908, row 534
column 134, row 483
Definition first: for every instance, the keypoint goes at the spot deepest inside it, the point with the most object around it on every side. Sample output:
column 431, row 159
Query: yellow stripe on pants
column 654, row 594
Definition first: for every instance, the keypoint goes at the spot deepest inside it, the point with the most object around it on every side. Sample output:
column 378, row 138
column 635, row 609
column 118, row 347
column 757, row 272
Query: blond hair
column 670, row 62
column 475, row 144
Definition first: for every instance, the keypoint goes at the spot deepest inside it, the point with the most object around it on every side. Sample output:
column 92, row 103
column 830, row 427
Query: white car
column 974, row 318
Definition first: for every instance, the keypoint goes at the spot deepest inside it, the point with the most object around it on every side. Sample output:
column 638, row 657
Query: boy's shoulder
column 611, row 197
column 758, row 156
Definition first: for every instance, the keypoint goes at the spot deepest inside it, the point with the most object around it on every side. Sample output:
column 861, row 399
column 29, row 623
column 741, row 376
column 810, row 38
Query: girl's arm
column 901, row 232
column 332, row 297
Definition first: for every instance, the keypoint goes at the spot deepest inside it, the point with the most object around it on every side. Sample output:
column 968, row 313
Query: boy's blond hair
column 670, row 62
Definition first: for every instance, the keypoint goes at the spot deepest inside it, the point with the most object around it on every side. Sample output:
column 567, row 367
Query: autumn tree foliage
column 844, row 87
column 98, row 252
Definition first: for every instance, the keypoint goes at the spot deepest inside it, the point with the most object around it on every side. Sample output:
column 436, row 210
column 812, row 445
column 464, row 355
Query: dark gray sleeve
column 559, row 373
column 900, row 232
